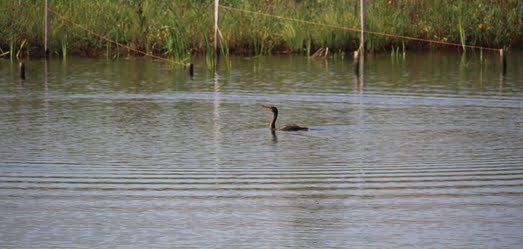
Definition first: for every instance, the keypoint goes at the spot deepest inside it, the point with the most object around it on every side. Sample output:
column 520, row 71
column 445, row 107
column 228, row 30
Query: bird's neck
column 272, row 125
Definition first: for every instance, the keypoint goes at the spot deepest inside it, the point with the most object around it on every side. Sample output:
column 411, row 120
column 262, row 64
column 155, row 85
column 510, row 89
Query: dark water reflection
column 130, row 153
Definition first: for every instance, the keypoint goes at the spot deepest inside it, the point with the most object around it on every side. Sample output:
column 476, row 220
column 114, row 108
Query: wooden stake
column 47, row 31
column 216, row 29
column 362, row 25
column 21, row 70
column 503, row 62
column 360, row 53
column 356, row 62
column 191, row 69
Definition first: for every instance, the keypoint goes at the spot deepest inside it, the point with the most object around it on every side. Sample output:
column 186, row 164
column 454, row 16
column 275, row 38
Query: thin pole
column 360, row 53
column 362, row 23
column 46, row 32
column 216, row 28
column 503, row 62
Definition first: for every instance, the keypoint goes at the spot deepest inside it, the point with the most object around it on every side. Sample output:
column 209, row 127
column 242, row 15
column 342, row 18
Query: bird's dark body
column 293, row 127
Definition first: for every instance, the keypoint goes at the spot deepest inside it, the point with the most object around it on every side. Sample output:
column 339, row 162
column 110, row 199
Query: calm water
column 421, row 153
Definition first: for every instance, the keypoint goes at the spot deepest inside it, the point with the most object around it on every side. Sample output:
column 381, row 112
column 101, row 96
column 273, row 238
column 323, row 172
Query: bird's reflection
column 274, row 136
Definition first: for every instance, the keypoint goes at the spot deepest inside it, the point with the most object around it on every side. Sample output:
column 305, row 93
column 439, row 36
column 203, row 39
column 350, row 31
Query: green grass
column 178, row 29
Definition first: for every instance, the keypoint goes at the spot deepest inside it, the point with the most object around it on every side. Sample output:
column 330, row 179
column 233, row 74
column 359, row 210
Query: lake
column 421, row 152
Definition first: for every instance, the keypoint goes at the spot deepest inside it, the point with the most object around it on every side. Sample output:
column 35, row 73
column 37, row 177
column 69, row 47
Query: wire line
column 358, row 30
column 64, row 18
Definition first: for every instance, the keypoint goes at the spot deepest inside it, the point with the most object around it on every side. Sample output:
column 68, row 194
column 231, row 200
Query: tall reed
column 20, row 50
column 462, row 36
column 210, row 59
column 11, row 49
column 64, row 43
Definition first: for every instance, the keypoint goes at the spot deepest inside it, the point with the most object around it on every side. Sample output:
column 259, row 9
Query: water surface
column 425, row 152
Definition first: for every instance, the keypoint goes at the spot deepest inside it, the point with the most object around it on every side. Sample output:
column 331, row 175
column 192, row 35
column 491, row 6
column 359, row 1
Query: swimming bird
column 290, row 127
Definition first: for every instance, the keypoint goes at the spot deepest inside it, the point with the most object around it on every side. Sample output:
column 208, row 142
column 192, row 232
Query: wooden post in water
column 360, row 53
column 47, row 31
column 216, row 28
column 357, row 62
column 191, row 69
column 503, row 62
column 21, row 70
column 362, row 26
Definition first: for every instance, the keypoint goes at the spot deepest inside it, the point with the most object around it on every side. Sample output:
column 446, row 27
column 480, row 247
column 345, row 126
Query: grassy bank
column 179, row 28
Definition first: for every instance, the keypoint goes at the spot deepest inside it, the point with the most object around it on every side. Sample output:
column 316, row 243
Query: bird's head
column 271, row 108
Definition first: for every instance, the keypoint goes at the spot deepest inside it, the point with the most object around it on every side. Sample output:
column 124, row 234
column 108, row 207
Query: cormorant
column 290, row 127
